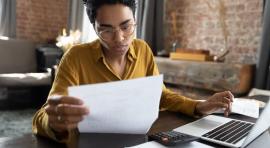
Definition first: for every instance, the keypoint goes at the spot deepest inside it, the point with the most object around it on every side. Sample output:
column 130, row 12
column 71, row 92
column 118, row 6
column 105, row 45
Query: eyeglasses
column 107, row 34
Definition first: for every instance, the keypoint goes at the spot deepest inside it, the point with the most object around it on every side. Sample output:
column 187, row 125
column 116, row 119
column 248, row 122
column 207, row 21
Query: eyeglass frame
column 115, row 29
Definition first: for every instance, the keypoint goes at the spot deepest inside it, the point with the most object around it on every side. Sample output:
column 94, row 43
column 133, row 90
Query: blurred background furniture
column 48, row 57
column 211, row 76
column 25, row 74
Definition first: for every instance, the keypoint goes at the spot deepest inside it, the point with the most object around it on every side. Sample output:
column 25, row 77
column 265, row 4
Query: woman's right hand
column 65, row 112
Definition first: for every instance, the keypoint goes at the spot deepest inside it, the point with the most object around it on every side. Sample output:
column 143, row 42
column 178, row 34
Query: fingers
column 65, row 112
column 229, row 108
column 57, row 99
column 62, row 122
column 226, row 94
column 217, row 101
column 66, row 119
column 227, row 99
column 65, row 105
column 224, row 103
column 66, row 109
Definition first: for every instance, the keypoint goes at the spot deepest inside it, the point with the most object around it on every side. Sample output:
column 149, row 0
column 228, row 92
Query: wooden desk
column 166, row 121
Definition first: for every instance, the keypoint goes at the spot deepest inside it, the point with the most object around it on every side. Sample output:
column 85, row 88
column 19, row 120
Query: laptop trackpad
column 206, row 124
column 202, row 126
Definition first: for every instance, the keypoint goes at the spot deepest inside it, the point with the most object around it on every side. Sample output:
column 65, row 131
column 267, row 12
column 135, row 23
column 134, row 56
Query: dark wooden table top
column 166, row 121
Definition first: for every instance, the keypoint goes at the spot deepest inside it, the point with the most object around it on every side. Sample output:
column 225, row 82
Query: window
column 8, row 18
column 88, row 32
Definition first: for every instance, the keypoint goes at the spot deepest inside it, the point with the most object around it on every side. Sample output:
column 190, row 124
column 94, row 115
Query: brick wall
column 208, row 23
column 41, row 20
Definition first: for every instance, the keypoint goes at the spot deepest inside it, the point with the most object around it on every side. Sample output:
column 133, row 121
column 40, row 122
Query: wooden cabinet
column 207, row 75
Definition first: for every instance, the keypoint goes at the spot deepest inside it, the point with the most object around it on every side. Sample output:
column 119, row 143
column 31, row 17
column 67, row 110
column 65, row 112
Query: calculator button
column 165, row 139
column 172, row 138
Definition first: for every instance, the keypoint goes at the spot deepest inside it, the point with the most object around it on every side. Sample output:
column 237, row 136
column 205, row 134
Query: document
column 128, row 106
column 255, row 91
column 154, row 144
column 247, row 107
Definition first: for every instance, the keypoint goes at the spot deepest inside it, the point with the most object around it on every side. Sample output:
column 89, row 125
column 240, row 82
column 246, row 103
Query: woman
column 115, row 56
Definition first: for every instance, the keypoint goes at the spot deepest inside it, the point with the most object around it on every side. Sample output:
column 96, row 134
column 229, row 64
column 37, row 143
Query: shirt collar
column 98, row 51
column 131, row 52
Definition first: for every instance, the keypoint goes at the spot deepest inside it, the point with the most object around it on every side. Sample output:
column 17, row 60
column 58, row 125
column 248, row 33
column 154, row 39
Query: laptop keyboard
column 231, row 132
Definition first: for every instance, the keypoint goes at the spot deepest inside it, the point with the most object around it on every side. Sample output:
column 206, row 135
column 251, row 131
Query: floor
column 16, row 122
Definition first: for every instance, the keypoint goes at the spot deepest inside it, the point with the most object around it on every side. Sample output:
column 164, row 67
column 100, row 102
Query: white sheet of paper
column 154, row 144
column 128, row 106
column 255, row 91
column 247, row 107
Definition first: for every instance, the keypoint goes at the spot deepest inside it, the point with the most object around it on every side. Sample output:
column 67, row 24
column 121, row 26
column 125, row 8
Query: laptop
column 226, row 131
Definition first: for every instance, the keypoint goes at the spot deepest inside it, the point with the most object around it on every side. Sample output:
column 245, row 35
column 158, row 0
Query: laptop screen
column 262, row 124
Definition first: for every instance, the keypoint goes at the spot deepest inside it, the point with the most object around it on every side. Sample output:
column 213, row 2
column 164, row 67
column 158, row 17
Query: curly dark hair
column 93, row 5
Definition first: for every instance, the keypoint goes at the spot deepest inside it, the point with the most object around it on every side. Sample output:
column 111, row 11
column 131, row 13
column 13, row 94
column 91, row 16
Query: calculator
column 171, row 138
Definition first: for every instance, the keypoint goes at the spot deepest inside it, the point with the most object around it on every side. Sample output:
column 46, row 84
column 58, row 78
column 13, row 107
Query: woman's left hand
column 222, row 100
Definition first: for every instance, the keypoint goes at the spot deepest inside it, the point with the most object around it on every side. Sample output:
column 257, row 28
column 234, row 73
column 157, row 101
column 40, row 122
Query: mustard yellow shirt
column 85, row 64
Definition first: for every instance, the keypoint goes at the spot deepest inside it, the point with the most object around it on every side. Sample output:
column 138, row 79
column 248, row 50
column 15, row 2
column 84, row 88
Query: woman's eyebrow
column 108, row 25
column 124, row 22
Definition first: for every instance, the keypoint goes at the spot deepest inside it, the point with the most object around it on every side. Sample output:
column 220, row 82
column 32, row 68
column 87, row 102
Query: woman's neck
column 114, row 58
